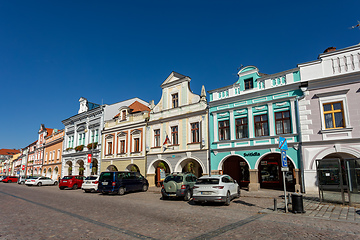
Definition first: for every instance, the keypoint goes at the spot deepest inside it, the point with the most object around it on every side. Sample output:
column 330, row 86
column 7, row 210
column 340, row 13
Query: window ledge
column 336, row 130
column 193, row 143
column 156, row 147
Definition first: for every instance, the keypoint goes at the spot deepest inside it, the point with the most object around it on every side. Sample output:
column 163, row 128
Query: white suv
column 215, row 188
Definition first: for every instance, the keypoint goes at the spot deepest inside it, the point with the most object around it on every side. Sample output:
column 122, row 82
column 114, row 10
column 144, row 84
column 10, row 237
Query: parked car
column 121, row 182
column 10, row 179
column 2, row 177
column 21, row 180
column 215, row 188
column 178, row 185
column 39, row 181
column 73, row 182
column 90, row 184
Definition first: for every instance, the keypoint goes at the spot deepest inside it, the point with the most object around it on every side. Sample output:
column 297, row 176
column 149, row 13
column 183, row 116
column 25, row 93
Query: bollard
column 275, row 204
column 289, row 199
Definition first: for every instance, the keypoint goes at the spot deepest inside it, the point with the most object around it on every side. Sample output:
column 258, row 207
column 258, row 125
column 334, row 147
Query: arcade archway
column 270, row 174
column 238, row 169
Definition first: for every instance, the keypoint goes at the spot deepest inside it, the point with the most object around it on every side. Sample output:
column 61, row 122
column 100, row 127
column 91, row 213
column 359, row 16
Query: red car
column 73, row 182
column 10, row 179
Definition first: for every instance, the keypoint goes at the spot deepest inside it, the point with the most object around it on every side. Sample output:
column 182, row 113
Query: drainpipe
column 300, row 142
column 208, row 137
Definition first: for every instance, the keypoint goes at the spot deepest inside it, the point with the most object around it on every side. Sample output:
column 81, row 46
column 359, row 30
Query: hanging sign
column 89, row 158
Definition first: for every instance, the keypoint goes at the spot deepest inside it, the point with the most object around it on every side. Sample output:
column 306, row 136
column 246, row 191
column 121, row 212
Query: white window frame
column 330, row 98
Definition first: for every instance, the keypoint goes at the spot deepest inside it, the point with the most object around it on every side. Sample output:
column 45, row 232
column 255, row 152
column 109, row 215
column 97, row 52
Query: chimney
column 330, row 49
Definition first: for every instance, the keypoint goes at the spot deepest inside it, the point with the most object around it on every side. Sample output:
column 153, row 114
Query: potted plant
column 92, row 145
column 79, row 148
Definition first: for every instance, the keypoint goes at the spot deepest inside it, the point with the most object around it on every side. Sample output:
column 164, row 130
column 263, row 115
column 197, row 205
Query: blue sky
column 54, row 52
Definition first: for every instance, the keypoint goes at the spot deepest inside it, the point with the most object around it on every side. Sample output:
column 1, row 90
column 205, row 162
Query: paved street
column 48, row 213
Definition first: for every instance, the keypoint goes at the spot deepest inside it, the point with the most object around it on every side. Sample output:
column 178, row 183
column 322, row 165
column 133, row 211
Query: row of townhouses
column 234, row 130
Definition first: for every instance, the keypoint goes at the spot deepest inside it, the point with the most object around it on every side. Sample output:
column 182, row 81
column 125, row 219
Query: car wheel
column 22, row 183
column 39, row 184
column 55, row 183
column 75, row 187
column 145, row 188
column 62, row 188
column 227, row 200
column 121, row 191
column 187, row 195
column 9, row 181
column 238, row 192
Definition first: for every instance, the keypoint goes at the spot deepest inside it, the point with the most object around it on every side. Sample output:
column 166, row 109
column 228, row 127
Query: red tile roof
column 9, row 151
column 138, row 107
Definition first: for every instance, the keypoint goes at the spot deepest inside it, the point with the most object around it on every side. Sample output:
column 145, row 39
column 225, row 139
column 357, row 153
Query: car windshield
column 207, row 181
column 91, row 178
column 173, row 178
column 67, row 177
column 106, row 176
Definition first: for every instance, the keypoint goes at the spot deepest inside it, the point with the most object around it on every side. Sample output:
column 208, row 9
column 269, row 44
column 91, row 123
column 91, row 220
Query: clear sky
column 54, row 52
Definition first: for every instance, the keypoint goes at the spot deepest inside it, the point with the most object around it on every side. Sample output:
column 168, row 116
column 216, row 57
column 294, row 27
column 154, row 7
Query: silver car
column 39, row 181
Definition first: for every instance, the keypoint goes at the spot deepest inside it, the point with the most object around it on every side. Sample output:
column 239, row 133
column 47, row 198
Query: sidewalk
column 311, row 203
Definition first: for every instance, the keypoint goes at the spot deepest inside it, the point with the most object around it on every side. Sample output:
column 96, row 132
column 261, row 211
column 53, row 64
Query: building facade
column 123, row 138
column 329, row 114
column 246, row 121
column 82, row 138
column 176, row 136
column 53, row 151
column 5, row 156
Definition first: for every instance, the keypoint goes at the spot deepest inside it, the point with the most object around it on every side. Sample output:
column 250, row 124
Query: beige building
column 123, row 138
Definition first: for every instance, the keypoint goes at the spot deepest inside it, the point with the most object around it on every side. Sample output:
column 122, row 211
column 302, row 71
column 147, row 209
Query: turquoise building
column 246, row 120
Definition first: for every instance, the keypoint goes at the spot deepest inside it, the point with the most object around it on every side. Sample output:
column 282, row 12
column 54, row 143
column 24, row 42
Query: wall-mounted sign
column 252, row 154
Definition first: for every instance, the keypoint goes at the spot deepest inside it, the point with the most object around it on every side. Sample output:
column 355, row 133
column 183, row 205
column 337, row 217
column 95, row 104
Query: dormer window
column 248, row 83
column 123, row 115
column 175, row 100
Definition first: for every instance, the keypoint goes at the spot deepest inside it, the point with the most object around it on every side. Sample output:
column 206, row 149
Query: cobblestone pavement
column 48, row 213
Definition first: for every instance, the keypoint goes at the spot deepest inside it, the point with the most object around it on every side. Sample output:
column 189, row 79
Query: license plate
column 205, row 193
column 64, row 181
column 87, row 182
column 104, row 183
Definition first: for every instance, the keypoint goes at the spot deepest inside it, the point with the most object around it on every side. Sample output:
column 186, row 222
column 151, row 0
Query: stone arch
column 331, row 150
column 94, row 169
column 111, row 168
column 221, row 163
column 133, row 168
column 198, row 168
column 152, row 166
column 68, row 168
column 79, row 167
column 268, row 153
column 237, row 167
column 49, row 173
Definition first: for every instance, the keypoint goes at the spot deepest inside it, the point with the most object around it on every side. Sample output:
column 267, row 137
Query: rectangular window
column 157, row 138
column 174, row 135
column 261, row 125
column 81, row 140
column 333, row 115
column 58, row 154
column 241, row 128
column 122, row 146
column 109, row 148
column 282, row 122
column 136, row 145
column 195, row 132
column 46, row 157
column 175, row 100
column 224, row 130
column 248, row 83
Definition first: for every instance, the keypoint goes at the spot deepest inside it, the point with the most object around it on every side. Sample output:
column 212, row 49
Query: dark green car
column 178, row 185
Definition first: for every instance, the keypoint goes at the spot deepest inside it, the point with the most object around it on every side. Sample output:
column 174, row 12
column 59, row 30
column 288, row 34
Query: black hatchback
column 121, row 182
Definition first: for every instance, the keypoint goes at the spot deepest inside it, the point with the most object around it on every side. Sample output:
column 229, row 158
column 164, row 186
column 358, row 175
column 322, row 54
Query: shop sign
column 252, row 154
